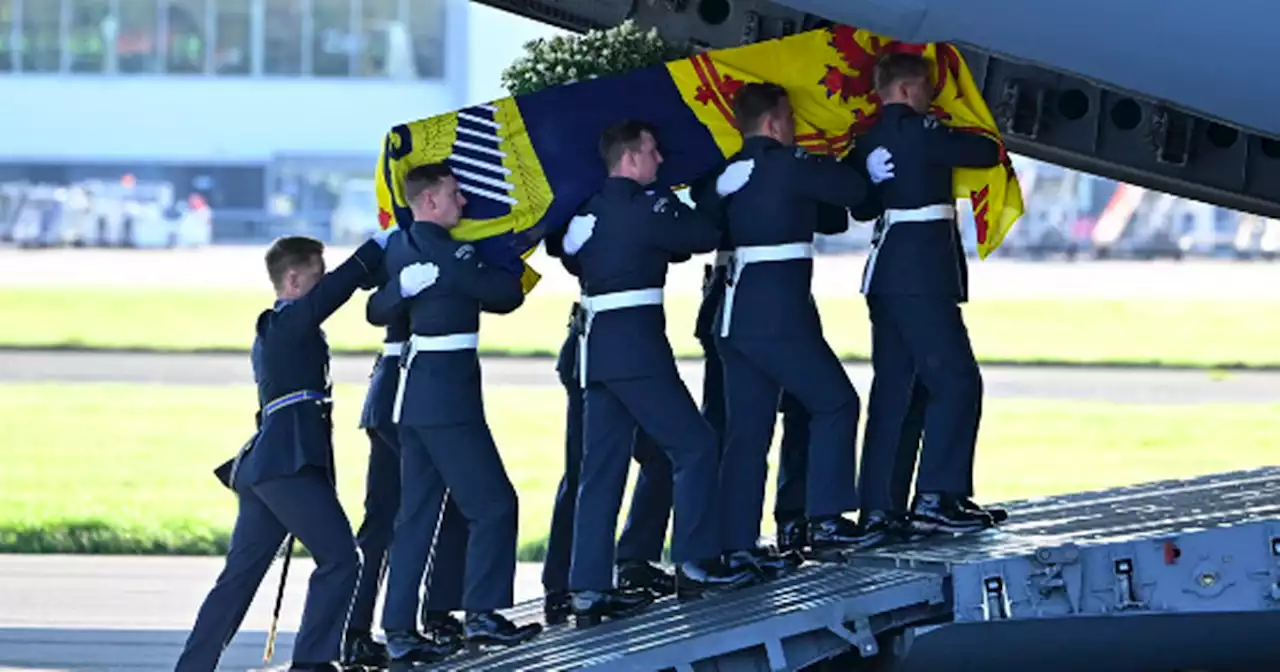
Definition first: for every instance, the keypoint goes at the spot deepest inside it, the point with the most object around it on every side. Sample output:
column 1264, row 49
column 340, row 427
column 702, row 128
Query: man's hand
column 734, row 177
column 416, row 277
column 381, row 237
column 579, row 232
column 880, row 165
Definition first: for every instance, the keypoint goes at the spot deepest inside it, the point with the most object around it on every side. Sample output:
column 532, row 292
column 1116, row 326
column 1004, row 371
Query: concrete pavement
column 132, row 614
column 1151, row 386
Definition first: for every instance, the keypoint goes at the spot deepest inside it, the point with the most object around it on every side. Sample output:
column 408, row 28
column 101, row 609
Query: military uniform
column 446, row 443
column 770, row 341
column 284, row 482
column 630, row 379
column 382, row 501
column 640, row 544
column 789, row 504
column 915, row 279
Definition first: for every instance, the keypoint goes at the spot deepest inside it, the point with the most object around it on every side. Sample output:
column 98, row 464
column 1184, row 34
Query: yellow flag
column 828, row 77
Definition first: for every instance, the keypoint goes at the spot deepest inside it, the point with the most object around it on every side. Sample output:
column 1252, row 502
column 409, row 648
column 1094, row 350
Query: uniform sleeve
column 957, row 149
column 333, row 290
column 825, row 180
column 385, row 305
column 832, row 219
column 870, row 208
column 676, row 228
column 497, row 289
column 555, row 248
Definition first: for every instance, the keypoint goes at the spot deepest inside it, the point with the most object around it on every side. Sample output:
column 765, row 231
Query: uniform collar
column 425, row 228
column 897, row 109
column 757, row 143
column 623, row 185
column 281, row 303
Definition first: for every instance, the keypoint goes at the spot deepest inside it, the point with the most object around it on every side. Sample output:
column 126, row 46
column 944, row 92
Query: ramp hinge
column 1022, row 109
column 995, row 604
column 1171, row 132
column 860, row 637
column 751, row 28
column 1125, row 596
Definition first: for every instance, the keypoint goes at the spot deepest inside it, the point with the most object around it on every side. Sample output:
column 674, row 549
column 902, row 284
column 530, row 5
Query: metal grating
column 1106, row 516
column 674, row 635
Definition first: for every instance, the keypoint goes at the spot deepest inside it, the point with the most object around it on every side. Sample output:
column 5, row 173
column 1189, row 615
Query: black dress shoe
column 840, row 533
column 997, row 515
column 769, row 563
column 406, row 648
column 316, row 667
column 895, row 525
column 934, row 512
column 489, row 628
column 591, row 607
column 792, row 535
column 556, row 607
column 442, row 627
column 360, row 648
column 643, row 575
column 696, row 579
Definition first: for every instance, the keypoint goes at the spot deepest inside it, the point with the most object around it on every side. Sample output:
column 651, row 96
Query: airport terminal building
column 257, row 105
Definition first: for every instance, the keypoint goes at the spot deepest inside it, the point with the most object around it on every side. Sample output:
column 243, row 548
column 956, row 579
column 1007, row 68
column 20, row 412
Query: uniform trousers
column 646, row 527
column 793, row 456
column 661, row 407
column 306, row 505
column 926, row 380
column 756, row 372
column 463, row 459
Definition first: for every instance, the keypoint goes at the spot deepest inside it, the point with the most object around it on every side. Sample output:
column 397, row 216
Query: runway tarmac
column 1148, row 386
column 132, row 614
column 240, row 267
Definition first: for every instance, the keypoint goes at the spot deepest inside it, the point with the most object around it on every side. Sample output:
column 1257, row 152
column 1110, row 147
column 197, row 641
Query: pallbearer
column 628, row 371
column 284, row 480
column 445, row 439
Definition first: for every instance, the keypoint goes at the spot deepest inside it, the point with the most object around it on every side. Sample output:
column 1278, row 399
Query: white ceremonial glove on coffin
column 580, row 230
column 734, row 177
column 416, row 277
column 880, row 165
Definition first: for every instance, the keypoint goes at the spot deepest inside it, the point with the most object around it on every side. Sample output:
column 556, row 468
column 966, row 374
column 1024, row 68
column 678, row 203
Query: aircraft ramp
column 1165, row 575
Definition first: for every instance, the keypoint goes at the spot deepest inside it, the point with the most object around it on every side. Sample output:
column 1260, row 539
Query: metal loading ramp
column 787, row 624
column 1179, row 574
column 1159, row 576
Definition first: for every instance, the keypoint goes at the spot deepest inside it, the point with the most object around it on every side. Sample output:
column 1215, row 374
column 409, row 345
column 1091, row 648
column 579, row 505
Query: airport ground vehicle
column 98, row 213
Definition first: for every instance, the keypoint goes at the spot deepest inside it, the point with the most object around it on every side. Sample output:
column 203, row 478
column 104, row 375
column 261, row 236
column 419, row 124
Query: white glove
column 416, row 277
column 734, row 177
column 580, row 230
column 381, row 237
column 880, row 165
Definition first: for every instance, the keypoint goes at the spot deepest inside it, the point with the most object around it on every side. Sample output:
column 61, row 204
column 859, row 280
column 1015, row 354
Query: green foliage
column 599, row 53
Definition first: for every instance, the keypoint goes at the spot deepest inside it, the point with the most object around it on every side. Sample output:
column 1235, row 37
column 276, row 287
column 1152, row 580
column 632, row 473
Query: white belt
column 446, row 343
column 928, row 213
column 601, row 303
column 392, row 349
column 743, row 256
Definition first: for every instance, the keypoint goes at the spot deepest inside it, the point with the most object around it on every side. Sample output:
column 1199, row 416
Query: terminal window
column 395, row 39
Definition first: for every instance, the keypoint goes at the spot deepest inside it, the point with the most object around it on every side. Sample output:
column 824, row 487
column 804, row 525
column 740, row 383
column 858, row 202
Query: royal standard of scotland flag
column 527, row 163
